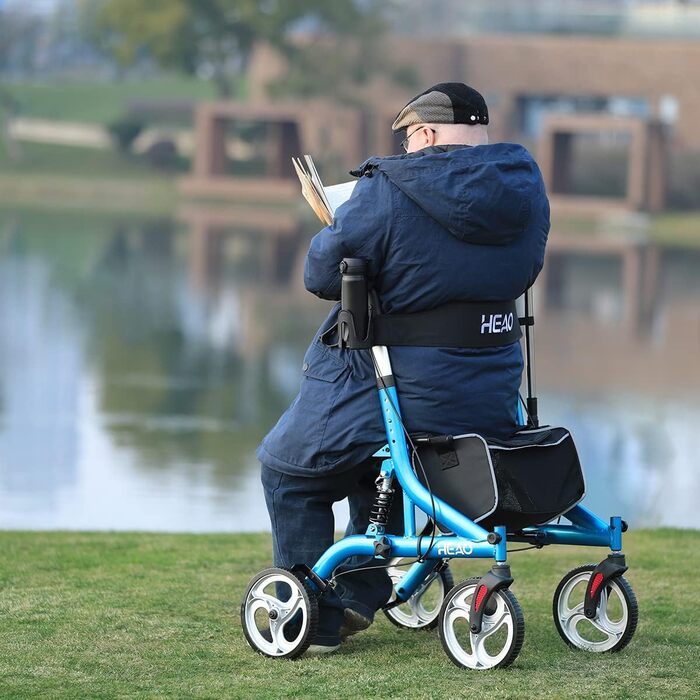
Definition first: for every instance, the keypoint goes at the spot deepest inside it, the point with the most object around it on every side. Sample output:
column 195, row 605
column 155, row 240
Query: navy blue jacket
column 442, row 224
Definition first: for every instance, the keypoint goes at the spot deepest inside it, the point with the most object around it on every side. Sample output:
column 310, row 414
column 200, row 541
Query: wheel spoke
column 460, row 599
column 258, row 594
column 570, row 623
column 483, row 658
column 602, row 627
column 278, row 639
column 571, row 614
column 414, row 605
column 268, row 601
column 617, row 628
column 601, row 621
column 454, row 614
column 289, row 611
column 255, row 605
column 501, row 617
column 572, row 611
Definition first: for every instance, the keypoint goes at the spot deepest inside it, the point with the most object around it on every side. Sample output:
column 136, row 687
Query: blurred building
column 623, row 66
column 524, row 76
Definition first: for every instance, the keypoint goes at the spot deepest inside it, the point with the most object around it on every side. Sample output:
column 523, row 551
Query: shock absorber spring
column 379, row 514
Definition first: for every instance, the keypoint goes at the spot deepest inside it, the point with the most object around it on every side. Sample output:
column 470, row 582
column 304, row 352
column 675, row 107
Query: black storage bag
column 459, row 472
column 526, row 480
column 539, row 477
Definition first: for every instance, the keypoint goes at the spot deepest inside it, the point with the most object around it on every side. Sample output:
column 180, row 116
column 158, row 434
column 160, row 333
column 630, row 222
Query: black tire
column 567, row 619
column 413, row 615
column 505, row 606
column 305, row 606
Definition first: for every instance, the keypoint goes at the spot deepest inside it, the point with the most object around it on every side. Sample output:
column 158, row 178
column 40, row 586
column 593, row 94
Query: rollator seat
column 527, row 480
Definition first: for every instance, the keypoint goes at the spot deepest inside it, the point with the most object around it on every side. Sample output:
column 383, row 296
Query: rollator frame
column 469, row 540
column 483, row 603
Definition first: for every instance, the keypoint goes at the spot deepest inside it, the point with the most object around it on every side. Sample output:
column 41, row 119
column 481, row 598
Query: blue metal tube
column 501, row 548
column 414, row 578
column 564, row 534
column 587, row 529
column 361, row 545
column 444, row 513
column 616, row 533
column 409, row 516
column 584, row 518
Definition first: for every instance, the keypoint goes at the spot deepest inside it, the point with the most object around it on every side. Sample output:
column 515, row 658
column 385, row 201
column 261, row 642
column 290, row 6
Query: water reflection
column 141, row 362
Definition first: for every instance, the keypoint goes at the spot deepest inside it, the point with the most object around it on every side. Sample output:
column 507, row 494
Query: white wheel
column 502, row 632
column 616, row 618
column 422, row 609
column 279, row 614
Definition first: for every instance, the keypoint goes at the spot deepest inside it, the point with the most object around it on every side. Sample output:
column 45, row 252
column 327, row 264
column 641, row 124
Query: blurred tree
column 18, row 39
column 124, row 132
column 216, row 38
column 20, row 36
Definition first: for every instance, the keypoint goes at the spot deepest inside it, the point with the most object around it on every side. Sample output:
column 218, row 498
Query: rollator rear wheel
column 279, row 614
column 422, row 610
column 616, row 618
column 502, row 633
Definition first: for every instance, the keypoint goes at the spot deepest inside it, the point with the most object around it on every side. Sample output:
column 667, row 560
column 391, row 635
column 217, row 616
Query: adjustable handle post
column 531, row 402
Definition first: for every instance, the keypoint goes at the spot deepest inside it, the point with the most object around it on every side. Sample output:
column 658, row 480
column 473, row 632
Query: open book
column 323, row 200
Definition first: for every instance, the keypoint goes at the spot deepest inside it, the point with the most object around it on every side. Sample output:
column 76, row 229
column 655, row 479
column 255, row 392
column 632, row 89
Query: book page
column 339, row 194
column 323, row 200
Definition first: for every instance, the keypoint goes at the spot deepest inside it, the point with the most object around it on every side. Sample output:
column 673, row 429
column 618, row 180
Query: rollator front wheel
column 422, row 610
column 502, row 632
column 616, row 618
column 279, row 614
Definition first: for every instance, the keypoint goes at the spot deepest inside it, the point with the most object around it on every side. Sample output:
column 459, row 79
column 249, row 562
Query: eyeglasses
column 404, row 143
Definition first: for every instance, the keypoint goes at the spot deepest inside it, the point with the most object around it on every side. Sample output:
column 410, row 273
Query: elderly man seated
column 453, row 219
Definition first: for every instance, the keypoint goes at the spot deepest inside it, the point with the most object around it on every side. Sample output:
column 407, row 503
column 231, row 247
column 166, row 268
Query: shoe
column 321, row 649
column 353, row 623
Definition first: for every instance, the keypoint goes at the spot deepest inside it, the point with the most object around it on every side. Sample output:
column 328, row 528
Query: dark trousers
column 301, row 515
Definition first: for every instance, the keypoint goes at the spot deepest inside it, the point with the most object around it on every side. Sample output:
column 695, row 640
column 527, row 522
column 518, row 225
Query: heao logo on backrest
column 496, row 323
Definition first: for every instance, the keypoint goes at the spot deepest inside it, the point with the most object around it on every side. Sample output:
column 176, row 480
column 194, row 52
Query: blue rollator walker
column 478, row 495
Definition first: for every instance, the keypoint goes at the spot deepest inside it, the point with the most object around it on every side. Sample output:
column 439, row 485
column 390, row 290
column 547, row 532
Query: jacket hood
column 481, row 194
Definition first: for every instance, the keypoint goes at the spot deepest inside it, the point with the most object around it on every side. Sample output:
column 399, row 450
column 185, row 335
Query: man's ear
column 431, row 136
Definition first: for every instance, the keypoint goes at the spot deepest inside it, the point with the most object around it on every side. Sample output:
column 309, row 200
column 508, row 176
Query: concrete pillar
column 210, row 154
column 284, row 143
column 657, row 167
column 561, row 158
column 637, row 167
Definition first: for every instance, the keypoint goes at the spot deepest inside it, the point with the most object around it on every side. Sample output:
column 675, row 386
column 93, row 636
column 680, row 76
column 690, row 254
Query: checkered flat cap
column 444, row 103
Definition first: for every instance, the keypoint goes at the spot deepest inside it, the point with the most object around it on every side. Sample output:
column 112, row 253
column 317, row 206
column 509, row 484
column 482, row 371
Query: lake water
column 141, row 361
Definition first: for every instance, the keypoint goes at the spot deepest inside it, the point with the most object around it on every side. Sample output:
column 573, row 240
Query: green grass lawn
column 66, row 177
column 76, row 161
column 680, row 228
column 100, row 102
column 144, row 615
